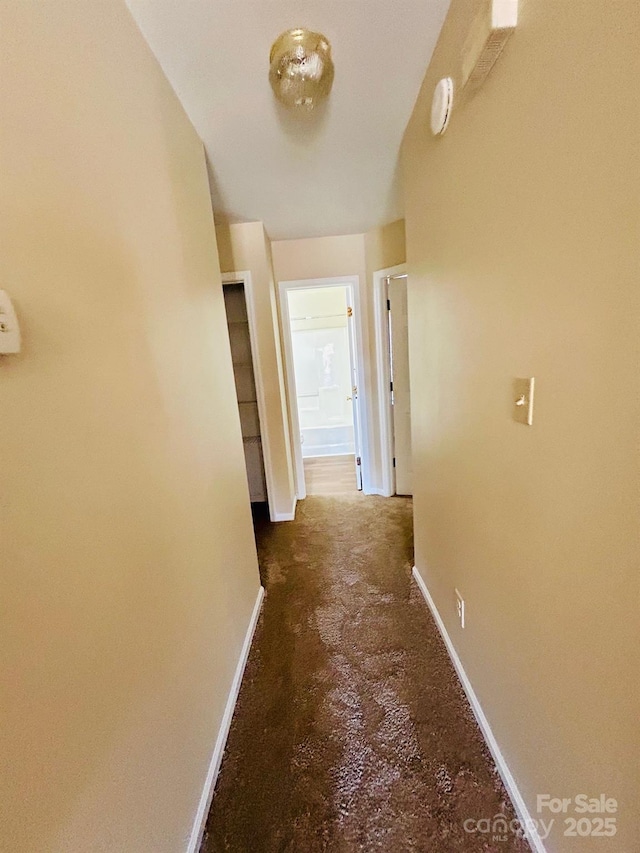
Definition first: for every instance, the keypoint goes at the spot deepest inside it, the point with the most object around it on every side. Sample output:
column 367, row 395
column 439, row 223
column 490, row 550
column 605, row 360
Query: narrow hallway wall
column 385, row 247
column 128, row 564
column 522, row 246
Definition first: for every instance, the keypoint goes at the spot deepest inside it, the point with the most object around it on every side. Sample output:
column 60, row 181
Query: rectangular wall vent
column 489, row 32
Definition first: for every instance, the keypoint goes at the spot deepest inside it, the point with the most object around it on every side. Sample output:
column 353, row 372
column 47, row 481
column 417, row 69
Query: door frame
column 383, row 365
column 244, row 278
column 352, row 282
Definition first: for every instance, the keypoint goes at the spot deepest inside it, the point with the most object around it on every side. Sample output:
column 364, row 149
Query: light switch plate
column 523, row 400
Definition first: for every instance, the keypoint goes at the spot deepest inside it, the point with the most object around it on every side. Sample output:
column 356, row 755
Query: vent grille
column 487, row 59
column 494, row 22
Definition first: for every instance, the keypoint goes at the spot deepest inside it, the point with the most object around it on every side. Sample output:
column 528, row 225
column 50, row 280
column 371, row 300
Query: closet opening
column 246, row 392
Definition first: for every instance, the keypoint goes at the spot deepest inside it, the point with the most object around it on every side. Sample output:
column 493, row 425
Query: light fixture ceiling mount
column 301, row 68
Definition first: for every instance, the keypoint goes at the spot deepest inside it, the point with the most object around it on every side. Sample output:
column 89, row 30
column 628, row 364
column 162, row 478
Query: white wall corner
column 287, row 515
column 522, row 811
column 197, row 832
column 375, row 491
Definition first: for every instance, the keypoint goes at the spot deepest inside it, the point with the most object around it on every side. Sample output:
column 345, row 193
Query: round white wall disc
column 441, row 106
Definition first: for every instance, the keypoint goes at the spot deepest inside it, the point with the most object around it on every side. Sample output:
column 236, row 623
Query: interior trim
column 287, row 516
column 244, row 277
column 204, row 805
column 382, row 355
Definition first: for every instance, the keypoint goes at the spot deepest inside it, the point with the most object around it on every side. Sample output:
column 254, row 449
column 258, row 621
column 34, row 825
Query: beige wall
column 385, row 247
column 242, row 247
column 522, row 243
column 319, row 257
column 128, row 563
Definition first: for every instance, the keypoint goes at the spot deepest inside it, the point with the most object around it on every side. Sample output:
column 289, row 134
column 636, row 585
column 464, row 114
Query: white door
column 357, row 421
column 400, row 390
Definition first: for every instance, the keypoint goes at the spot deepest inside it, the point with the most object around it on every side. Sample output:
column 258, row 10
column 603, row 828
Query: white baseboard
column 286, row 516
column 216, row 759
column 517, row 799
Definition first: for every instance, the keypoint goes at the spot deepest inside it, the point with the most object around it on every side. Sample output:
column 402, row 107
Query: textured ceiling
column 330, row 172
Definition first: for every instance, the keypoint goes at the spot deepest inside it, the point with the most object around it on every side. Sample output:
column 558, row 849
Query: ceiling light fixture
column 301, row 69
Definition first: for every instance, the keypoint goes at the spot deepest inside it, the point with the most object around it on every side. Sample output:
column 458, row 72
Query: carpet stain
column 351, row 730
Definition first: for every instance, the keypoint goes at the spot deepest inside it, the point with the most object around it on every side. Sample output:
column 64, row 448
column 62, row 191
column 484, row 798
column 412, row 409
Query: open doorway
column 394, row 392
column 246, row 392
column 320, row 329
column 250, row 389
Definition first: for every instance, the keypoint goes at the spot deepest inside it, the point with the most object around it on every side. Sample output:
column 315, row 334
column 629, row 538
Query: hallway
column 351, row 731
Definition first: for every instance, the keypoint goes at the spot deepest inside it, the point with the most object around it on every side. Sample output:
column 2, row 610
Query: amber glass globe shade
column 301, row 68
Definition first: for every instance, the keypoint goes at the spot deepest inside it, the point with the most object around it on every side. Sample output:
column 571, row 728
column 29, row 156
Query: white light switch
column 9, row 329
column 523, row 400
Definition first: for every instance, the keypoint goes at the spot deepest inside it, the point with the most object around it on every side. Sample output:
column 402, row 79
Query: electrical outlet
column 460, row 608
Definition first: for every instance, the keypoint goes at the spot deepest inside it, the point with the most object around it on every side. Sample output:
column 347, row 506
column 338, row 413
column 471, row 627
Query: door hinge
column 388, row 305
column 394, row 461
column 358, row 460
column 391, row 387
column 349, row 311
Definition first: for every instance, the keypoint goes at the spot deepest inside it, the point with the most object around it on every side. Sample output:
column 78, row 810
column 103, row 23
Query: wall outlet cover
column 460, row 608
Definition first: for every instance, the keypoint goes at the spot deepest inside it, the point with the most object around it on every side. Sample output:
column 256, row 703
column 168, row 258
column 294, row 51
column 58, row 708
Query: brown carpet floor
column 351, row 731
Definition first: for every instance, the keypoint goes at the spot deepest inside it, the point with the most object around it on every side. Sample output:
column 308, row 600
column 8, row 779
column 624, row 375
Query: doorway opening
column 243, row 372
column 394, row 391
column 321, row 335
column 250, row 391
